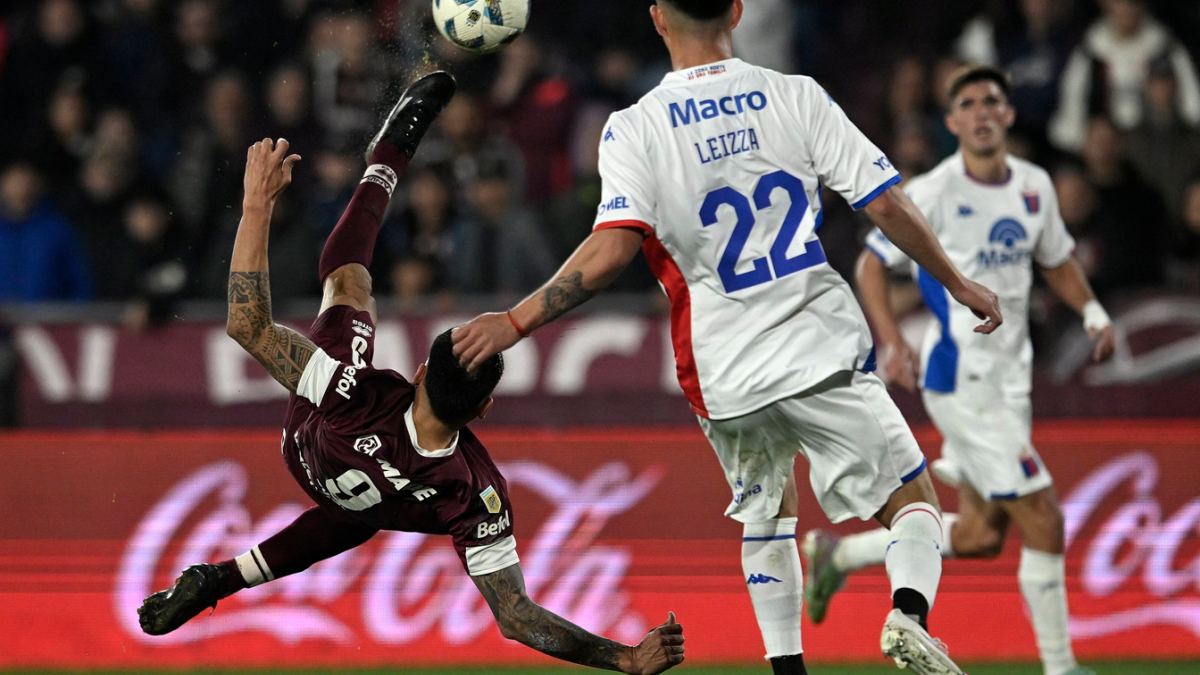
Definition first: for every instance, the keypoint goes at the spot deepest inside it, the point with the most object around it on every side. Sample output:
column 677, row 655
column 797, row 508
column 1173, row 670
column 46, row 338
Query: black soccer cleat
column 418, row 107
column 196, row 589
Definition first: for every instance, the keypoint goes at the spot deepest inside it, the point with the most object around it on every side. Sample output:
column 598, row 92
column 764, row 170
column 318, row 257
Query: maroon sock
column 314, row 536
column 234, row 581
column 353, row 240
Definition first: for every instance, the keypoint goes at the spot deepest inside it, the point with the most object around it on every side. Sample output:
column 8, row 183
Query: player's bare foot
column 416, row 110
column 196, row 589
column 821, row 579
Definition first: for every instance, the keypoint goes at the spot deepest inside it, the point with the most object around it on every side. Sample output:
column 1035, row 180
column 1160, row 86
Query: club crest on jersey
column 1029, row 466
column 1033, row 202
column 491, row 500
column 367, row 445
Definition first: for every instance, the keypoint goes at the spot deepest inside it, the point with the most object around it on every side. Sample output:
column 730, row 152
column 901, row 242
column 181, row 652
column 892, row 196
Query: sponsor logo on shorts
column 486, row 529
column 740, row 495
column 368, row 444
column 491, row 500
column 761, row 578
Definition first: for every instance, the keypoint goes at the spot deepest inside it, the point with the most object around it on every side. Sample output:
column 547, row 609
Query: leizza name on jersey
column 1007, row 245
column 692, row 110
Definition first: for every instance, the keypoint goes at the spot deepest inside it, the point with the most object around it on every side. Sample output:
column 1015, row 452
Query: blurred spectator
column 346, row 79
column 538, row 108
column 1165, row 150
column 423, row 236
column 912, row 150
column 289, row 115
column 1077, row 203
column 1129, row 218
column 197, row 54
column 503, row 250
column 944, row 142
column 68, row 140
column 764, row 37
column 464, row 141
column 150, row 269
column 1185, row 268
column 97, row 207
column 1032, row 46
column 1107, row 74
column 40, row 255
column 140, row 51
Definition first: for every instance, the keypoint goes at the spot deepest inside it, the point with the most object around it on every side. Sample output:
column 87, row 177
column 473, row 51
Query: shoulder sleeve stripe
column 876, row 192
column 633, row 224
column 314, row 381
column 494, row 557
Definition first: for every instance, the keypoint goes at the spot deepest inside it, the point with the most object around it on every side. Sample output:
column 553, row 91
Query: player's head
column 456, row 395
column 980, row 114
column 679, row 21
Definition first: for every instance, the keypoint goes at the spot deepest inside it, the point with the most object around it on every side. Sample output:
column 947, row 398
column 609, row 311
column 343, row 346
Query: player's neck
column 689, row 53
column 991, row 168
column 432, row 433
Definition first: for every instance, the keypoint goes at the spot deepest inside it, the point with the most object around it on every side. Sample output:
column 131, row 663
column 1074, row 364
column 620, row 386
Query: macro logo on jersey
column 491, row 500
column 692, row 110
column 1008, row 245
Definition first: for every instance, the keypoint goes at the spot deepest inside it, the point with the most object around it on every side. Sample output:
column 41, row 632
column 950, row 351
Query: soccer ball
column 481, row 25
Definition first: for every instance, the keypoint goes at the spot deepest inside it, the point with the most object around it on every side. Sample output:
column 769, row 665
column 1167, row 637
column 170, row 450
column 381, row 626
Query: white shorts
column 988, row 443
column 859, row 449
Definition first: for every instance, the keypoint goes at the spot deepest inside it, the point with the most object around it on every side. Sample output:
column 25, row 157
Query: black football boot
column 197, row 588
column 417, row 108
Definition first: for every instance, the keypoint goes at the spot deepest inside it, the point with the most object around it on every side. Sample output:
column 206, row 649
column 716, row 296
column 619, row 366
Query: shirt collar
column 702, row 73
column 412, row 436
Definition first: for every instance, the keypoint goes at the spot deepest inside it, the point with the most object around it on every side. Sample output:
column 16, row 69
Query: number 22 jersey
column 721, row 166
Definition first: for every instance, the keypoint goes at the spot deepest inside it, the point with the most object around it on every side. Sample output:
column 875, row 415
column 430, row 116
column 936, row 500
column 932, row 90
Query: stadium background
column 144, row 440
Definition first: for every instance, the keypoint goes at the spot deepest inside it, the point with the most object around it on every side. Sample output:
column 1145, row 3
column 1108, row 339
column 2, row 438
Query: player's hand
column 268, row 171
column 482, row 338
column 901, row 365
column 661, row 649
column 1106, row 343
column 982, row 302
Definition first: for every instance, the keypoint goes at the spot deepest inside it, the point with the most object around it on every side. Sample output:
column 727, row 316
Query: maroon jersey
column 349, row 441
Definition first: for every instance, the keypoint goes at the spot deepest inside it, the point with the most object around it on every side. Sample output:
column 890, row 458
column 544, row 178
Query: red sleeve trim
column 632, row 224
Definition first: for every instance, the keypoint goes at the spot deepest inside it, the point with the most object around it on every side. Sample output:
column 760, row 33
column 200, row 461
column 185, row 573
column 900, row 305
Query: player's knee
column 1045, row 521
column 985, row 543
column 352, row 282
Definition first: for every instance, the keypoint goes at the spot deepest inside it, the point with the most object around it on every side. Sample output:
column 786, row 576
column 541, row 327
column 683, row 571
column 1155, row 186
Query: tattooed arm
column 282, row 351
column 523, row 620
column 593, row 266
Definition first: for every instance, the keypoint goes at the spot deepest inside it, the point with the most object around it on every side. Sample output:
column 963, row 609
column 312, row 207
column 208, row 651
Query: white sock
column 771, row 564
column 1043, row 584
column 254, row 568
column 948, row 521
column 857, row 551
column 914, row 557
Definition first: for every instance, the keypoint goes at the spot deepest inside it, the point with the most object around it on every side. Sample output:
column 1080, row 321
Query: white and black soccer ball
column 481, row 25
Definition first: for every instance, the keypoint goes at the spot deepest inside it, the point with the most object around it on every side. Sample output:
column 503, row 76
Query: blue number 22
column 780, row 262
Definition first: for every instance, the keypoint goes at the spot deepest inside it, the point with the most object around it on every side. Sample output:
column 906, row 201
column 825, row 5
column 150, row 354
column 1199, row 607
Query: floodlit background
column 144, row 440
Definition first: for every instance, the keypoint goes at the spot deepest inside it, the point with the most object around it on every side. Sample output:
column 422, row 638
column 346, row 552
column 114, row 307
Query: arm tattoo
column 282, row 351
column 532, row 625
column 565, row 294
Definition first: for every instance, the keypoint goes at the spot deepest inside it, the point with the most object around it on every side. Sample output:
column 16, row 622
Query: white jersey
column 992, row 233
column 722, row 166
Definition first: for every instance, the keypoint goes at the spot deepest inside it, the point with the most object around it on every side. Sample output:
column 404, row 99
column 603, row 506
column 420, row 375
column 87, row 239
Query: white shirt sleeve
column 893, row 258
column 317, row 375
column 627, row 197
column 1055, row 244
column 844, row 158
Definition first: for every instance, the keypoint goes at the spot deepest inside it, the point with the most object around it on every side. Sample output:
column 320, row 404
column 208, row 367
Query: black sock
column 913, row 604
column 789, row 665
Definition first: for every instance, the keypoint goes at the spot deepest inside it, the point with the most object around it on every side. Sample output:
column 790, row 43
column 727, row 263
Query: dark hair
column 974, row 73
column 454, row 393
column 702, row 10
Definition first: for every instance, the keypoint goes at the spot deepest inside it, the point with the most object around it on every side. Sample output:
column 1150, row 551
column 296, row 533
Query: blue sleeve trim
column 876, row 192
column 869, row 365
column 774, row 538
column 878, row 254
column 914, row 473
column 1006, row 497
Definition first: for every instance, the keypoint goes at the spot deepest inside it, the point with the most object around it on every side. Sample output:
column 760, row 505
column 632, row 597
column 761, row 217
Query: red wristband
column 520, row 330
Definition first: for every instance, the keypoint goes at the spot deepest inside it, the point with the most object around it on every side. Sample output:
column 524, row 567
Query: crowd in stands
column 124, row 126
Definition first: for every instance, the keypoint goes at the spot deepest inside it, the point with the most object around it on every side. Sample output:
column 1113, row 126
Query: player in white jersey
column 716, row 175
column 997, row 216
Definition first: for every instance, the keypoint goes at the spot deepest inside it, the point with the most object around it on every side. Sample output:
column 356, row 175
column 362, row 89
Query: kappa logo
column 965, row 210
column 608, row 135
column 760, row 578
column 491, row 500
column 367, row 445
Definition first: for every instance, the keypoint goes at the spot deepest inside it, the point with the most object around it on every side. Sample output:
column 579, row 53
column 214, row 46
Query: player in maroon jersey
column 373, row 450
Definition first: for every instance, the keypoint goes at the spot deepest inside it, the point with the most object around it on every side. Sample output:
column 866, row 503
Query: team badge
column 1033, row 202
column 491, row 500
column 367, row 445
column 1029, row 466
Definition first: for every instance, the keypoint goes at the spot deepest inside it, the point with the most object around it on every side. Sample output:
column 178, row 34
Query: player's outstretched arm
column 898, row 360
column 1069, row 282
column 523, row 620
column 903, row 223
column 282, row 351
column 589, row 270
